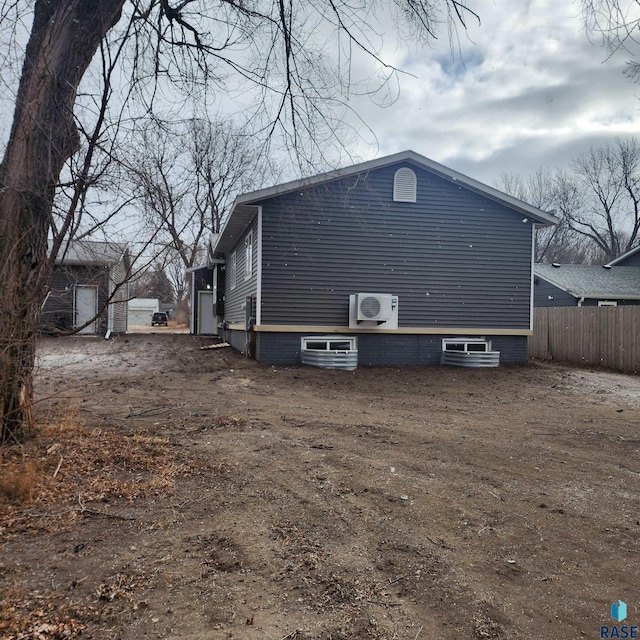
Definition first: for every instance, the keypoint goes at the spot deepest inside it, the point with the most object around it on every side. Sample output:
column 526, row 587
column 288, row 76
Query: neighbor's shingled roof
column 593, row 281
column 91, row 252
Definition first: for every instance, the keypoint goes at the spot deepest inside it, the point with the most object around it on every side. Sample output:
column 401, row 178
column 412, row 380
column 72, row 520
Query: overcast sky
column 527, row 89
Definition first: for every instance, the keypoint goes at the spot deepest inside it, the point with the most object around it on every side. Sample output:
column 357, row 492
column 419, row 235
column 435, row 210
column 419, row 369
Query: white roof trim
column 196, row 268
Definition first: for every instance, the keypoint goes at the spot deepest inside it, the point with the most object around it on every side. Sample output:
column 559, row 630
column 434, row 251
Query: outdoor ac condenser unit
column 376, row 307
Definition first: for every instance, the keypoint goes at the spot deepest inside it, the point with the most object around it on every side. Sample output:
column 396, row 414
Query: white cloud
column 527, row 88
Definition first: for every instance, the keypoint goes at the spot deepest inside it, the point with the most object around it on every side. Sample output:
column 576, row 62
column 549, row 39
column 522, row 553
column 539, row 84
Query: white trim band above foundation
column 282, row 328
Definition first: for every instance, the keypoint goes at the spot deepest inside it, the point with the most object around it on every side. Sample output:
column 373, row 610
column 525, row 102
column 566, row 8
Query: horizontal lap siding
column 234, row 300
column 58, row 309
column 546, row 294
column 454, row 258
column 120, row 296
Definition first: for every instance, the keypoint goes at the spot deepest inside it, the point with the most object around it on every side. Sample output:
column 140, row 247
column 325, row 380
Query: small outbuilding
column 88, row 290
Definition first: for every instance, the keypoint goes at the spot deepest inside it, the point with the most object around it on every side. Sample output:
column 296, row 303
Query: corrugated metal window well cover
column 330, row 352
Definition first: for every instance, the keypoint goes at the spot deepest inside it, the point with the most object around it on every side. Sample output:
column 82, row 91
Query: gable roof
column 88, row 252
column 593, row 281
column 624, row 256
column 244, row 207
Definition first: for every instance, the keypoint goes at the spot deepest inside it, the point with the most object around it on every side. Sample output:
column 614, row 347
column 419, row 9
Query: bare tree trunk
column 64, row 38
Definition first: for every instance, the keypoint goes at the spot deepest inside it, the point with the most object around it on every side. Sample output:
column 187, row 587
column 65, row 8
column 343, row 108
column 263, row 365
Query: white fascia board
column 192, row 305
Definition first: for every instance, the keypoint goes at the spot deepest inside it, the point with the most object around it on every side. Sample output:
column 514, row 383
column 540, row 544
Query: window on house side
column 404, row 185
column 232, row 270
column 248, row 256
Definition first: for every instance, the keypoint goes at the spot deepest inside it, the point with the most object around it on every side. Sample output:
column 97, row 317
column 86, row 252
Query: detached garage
column 88, row 289
column 141, row 310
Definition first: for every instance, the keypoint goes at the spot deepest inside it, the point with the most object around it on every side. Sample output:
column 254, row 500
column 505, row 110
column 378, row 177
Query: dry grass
column 18, row 481
column 32, row 616
column 48, row 481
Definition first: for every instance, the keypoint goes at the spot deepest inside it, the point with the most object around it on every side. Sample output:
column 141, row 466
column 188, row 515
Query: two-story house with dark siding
column 438, row 254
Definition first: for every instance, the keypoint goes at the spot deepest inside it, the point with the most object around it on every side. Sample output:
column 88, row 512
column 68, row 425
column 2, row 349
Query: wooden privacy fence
column 605, row 336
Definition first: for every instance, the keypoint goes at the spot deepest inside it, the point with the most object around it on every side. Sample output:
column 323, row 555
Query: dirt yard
column 175, row 492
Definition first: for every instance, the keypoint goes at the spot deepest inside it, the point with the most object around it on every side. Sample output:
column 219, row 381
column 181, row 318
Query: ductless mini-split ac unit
column 371, row 310
column 373, row 306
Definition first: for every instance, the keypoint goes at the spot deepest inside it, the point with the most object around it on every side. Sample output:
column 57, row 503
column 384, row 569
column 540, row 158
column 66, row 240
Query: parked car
column 160, row 318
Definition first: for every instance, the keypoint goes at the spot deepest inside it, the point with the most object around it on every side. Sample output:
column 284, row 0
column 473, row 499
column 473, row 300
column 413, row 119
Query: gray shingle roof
column 593, row 281
column 91, row 252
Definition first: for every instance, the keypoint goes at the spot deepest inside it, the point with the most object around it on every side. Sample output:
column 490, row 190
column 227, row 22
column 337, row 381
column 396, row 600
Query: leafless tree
column 43, row 137
column 600, row 196
column 556, row 243
column 154, row 283
column 178, row 277
column 185, row 177
column 597, row 199
column 618, row 23
column 283, row 48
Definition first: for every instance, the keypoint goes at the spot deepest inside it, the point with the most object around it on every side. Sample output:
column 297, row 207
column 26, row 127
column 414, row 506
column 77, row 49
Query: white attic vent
column 404, row 185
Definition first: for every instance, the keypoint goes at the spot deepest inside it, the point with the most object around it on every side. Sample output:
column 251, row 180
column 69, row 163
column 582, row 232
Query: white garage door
column 140, row 316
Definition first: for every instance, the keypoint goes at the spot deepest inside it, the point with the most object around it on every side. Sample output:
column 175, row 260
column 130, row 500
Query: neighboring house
column 141, row 310
column 400, row 253
column 89, row 286
column 629, row 259
column 571, row 285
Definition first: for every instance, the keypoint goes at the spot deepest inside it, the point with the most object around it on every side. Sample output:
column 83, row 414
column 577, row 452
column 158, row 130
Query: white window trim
column 607, row 303
column 233, row 264
column 248, row 256
column 466, row 344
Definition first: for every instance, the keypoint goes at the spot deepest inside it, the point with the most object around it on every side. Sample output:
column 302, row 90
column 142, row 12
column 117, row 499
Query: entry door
column 206, row 319
column 86, row 303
